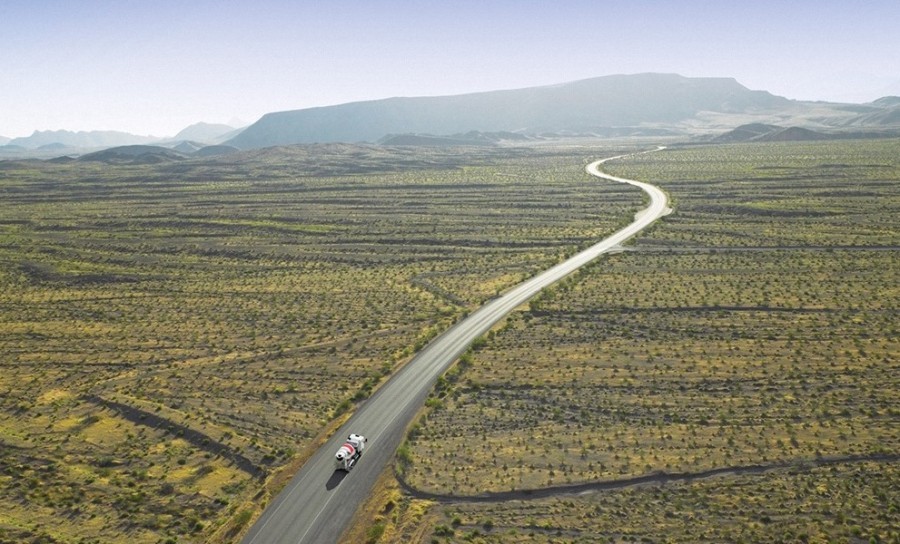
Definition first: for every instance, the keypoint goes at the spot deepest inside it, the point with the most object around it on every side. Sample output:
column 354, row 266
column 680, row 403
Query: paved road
column 319, row 503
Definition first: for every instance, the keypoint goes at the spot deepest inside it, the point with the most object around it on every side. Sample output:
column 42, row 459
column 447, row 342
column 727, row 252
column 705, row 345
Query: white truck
column 348, row 454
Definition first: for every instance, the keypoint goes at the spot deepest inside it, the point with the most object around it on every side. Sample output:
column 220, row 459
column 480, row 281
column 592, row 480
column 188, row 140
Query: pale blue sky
column 156, row 66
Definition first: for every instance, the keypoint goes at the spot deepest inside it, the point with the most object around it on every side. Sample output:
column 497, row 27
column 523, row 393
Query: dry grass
column 733, row 334
column 172, row 335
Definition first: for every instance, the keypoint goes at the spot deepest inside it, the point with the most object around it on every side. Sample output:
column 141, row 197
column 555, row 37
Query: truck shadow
column 335, row 479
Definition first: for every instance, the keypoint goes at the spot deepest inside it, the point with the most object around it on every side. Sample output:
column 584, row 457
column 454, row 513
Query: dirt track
column 198, row 439
column 654, row 478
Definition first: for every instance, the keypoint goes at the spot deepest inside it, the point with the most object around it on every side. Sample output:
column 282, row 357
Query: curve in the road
column 316, row 507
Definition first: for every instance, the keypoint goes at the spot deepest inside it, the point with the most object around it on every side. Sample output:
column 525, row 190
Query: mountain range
column 641, row 104
column 609, row 106
column 207, row 132
column 81, row 139
column 152, row 154
column 65, row 140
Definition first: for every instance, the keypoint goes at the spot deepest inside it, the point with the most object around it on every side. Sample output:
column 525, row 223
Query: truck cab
column 349, row 453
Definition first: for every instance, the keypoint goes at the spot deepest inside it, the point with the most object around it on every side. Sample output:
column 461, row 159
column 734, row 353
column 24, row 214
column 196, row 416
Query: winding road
column 319, row 503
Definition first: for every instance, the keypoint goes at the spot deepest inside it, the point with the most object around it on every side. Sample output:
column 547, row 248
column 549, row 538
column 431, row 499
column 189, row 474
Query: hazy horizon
column 155, row 68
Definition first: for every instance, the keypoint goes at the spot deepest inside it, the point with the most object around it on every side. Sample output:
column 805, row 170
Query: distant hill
column 759, row 132
column 4, row 140
column 884, row 112
column 188, row 146
column 55, row 146
column 229, row 135
column 204, row 132
column 747, row 132
column 428, row 140
column 62, row 160
column 792, row 134
column 82, row 139
column 11, row 148
column 215, row 151
column 134, row 154
column 887, row 102
column 579, row 107
column 152, row 154
column 470, row 138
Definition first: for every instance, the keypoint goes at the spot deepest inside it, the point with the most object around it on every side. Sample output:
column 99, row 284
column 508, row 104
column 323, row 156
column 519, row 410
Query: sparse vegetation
column 755, row 326
column 173, row 334
column 845, row 503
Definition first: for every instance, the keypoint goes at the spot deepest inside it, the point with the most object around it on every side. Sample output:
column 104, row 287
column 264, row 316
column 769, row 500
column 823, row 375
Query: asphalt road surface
column 319, row 502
